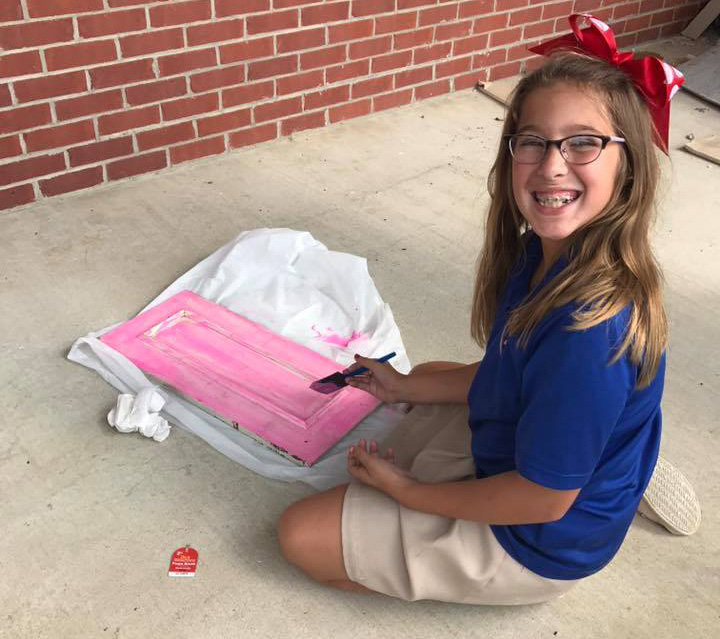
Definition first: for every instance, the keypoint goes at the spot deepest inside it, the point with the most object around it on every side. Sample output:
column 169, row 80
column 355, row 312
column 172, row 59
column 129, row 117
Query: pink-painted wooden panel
column 254, row 379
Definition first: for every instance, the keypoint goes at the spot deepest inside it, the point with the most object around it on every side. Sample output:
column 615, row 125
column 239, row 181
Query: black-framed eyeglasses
column 526, row 148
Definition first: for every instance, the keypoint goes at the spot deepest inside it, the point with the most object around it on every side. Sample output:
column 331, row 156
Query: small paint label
column 183, row 562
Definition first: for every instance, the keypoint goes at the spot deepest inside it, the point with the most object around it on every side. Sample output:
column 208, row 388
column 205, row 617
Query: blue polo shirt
column 563, row 417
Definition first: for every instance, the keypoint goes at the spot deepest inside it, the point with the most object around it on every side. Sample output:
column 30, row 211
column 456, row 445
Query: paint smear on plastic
column 335, row 339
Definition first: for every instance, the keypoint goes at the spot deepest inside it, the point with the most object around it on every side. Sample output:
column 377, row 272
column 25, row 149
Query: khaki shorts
column 412, row 555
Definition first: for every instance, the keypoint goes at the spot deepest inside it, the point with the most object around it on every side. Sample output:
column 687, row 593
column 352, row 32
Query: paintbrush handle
column 364, row 369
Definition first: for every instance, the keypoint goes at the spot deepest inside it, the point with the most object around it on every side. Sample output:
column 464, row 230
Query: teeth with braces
column 556, row 200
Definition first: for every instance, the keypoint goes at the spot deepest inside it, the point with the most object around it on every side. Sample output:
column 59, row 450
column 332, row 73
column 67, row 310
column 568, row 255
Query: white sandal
column 670, row 500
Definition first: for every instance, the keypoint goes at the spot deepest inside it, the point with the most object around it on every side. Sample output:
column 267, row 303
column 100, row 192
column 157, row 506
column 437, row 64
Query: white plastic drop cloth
column 292, row 284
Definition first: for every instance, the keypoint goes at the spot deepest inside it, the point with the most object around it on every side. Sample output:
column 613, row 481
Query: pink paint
column 249, row 376
column 337, row 340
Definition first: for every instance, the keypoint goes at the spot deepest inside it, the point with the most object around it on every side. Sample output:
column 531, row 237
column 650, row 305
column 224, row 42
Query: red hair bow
column 657, row 80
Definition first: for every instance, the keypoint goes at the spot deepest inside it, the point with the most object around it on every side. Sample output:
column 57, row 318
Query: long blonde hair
column 612, row 264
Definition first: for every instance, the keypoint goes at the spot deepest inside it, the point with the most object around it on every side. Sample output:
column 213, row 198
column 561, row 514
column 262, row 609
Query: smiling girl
column 564, row 408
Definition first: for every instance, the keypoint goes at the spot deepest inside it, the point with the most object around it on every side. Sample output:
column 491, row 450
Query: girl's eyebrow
column 569, row 130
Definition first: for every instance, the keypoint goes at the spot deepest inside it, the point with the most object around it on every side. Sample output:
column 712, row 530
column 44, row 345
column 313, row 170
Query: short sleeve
column 571, row 399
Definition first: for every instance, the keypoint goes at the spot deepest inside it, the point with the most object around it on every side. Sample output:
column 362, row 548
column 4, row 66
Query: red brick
column 409, row 4
column 165, row 136
column 347, row 71
column 224, row 8
column 489, row 58
column 636, row 24
column 46, row 8
column 533, row 63
column 453, row 67
column 50, row 86
column 471, row 44
column 173, row 13
column 662, row 17
column 197, row 149
column 413, row 38
column 284, row 4
column 372, row 86
column 123, row 73
column 490, row 23
column 587, row 6
column 525, row 15
column 350, row 31
column 247, row 50
column 33, row 34
column 73, row 181
column 538, row 29
column 431, row 90
column 392, row 61
column 624, row 10
column 452, row 31
column 322, row 57
column 248, row 93
column 396, row 22
column 321, row 14
column 299, row 82
column 277, row 109
column 10, row 146
column 215, row 32
column 367, row 48
column 128, row 119
column 273, row 67
column 57, row 136
column 109, row 23
column 647, row 6
column 298, row 40
column 126, row 3
column 17, row 64
column 136, row 165
column 156, row 91
column 89, row 104
column 302, row 122
column 11, row 10
column 648, row 34
column 223, row 77
column 498, row 38
column 325, row 98
column 143, row 43
column 272, row 21
column 351, row 110
column 475, row 8
column 224, row 122
column 99, row 151
column 504, row 5
column 443, row 13
column 25, row 169
column 254, row 135
column 16, row 196
column 627, row 40
column 413, row 76
column 80, row 55
column 362, row 8
column 467, row 80
column 519, row 51
column 5, row 97
column 434, row 52
column 24, row 118
column 557, row 10
column 176, row 63
column 185, row 107
column 392, row 100
column 504, row 71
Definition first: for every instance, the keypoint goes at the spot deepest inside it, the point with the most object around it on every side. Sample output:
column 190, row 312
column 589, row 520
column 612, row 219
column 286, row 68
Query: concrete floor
column 91, row 517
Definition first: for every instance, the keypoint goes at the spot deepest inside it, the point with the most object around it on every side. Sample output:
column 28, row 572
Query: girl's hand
column 381, row 380
column 367, row 466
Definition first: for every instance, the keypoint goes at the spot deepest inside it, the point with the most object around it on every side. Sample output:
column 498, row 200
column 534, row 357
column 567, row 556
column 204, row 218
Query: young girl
column 564, row 408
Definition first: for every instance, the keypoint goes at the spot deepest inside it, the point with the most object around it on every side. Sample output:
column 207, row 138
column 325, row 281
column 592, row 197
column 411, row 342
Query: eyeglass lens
column 578, row 149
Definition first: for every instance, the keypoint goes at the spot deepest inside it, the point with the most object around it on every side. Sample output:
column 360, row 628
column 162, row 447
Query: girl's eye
column 529, row 142
column 584, row 142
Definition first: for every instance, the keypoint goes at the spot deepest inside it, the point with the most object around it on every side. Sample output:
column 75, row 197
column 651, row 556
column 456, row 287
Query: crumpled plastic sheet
column 292, row 284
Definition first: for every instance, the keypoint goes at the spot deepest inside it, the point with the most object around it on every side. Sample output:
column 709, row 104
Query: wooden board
column 499, row 89
column 708, row 148
column 702, row 20
column 702, row 75
column 253, row 379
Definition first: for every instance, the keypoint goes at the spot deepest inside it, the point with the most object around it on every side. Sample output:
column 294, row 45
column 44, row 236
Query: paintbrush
column 336, row 381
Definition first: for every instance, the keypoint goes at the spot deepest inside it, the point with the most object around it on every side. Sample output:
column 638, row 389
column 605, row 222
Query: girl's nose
column 553, row 163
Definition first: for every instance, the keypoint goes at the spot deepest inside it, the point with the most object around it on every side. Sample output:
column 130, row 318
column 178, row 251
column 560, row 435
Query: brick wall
column 98, row 90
